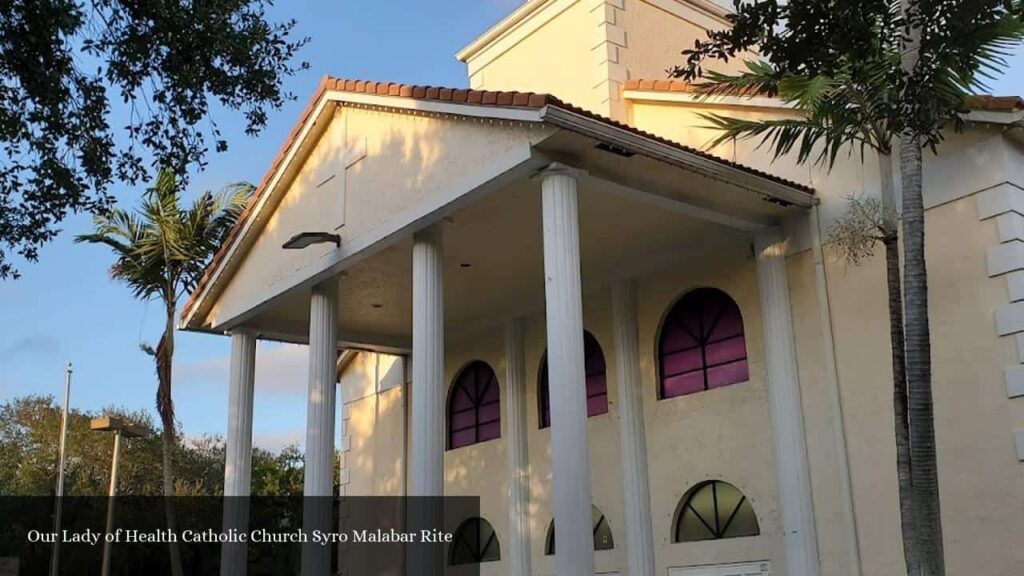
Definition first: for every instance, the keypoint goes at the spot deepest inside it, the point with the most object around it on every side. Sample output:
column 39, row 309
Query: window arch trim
column 484, row 545
column 477, row 417
column 726, row 520
column 728, row 360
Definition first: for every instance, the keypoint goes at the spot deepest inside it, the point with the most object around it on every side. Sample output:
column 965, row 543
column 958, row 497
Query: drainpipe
column 835, row 399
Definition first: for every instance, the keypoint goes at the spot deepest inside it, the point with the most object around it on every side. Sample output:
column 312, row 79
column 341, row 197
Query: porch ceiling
column 623, row 233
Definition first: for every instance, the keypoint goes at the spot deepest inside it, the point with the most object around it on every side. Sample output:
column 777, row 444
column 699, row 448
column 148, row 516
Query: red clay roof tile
column 990, row 103
column 984, row 102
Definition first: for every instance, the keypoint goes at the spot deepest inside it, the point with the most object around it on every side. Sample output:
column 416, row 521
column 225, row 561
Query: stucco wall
column 656, row 36
column 980, row 477
column 968, row 162
column 584, row 50
column 373, row 400
column 721, row 434
column 554, row 57
column 726, row 433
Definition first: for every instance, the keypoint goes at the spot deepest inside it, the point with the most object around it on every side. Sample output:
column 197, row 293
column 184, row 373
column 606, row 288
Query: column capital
column 243, row 331
column 771, row 242
column 433, row 233
column 560, row 169
column 328, row 287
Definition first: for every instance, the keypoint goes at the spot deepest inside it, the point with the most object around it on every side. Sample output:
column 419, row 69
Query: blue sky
column 65, row 308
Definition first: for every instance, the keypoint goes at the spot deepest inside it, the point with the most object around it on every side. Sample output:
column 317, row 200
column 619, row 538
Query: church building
column 639, row 351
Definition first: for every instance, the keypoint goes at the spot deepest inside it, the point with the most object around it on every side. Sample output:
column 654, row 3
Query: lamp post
column 120, row 429
column 55, row 556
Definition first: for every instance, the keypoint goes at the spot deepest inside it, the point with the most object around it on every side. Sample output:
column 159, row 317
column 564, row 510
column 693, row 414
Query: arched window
column 475, row 542
column 597, row 382
column 714, row 510
column 474, row 406
column 701, row 345
column 602, row 533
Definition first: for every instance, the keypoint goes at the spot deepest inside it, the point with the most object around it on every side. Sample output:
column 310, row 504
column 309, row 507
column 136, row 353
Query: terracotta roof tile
column 984, row 102
column 991, row 103
column 467, row 97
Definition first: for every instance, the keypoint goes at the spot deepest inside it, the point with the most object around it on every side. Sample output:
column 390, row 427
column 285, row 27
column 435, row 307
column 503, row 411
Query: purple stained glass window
column 597, row 383
column 702, row 344
column 474, row 406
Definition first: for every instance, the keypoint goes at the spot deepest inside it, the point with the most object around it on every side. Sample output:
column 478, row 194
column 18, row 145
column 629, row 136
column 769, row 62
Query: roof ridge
column 441, row 93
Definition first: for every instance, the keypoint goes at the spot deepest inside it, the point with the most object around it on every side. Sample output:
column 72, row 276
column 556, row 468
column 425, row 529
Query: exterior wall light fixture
column 307, row 239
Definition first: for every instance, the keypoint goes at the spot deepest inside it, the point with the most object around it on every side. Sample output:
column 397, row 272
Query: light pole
column 55, row 557
column 120, row 429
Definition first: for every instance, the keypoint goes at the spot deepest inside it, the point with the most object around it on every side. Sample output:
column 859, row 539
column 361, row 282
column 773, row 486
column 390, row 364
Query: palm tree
column 833, row 114
column 928, row 55
column 162, row 250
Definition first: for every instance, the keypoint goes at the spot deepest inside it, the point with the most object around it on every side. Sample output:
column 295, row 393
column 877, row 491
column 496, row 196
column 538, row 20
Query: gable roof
column 492, row 103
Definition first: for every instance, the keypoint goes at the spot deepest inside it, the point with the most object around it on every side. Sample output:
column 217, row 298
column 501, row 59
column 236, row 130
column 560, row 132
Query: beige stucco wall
column 411, row 160
column 981, row 478
column 979, row 158
column 373, row 400
column 584, row 50
column 555, row 57
column 655, row 36
column 726, row 433
column 979, row 475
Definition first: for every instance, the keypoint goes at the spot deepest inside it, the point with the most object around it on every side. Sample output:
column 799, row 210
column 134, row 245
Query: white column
column 570, row 459
column 633, row 440
column 238, row 449
column 428, row 396
column 320, row 415
column 428, row 392
column 791, row 463
column 518, row 451
column 238, row 464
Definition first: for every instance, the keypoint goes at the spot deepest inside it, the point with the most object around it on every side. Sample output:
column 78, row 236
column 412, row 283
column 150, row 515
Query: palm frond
column 759, row 79
column 162, row 249
column 810, row 137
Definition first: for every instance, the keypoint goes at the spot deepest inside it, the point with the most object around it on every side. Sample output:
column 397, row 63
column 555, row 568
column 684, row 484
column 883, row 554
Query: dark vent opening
column 618, row 150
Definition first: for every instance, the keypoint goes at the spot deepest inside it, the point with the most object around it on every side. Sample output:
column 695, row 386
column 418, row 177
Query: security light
column 307, row 239
column 110, row 424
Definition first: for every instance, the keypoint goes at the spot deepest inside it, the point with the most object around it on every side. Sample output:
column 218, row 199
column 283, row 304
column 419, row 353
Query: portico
column 463, row 218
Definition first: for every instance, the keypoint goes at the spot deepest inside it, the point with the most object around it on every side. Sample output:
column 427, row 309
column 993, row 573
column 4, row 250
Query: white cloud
column 280, row 369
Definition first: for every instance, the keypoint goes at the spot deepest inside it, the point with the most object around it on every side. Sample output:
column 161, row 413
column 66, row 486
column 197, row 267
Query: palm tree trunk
column 904, row 473
column 165, row 406
column 917, row 332
column 925, row 477
column 908, row 510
